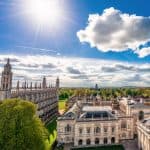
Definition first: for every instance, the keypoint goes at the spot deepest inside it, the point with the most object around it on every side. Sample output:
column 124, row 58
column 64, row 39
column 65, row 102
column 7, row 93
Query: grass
column 51, row 127
column 62, row 104
column 111, row 147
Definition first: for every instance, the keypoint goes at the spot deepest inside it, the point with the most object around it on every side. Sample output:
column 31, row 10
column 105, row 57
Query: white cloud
column 77, row 72
column 143, row 52
column 115, row 31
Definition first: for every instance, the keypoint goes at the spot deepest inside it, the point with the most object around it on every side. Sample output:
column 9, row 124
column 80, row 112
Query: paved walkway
column 67, row 146
column 130, row 144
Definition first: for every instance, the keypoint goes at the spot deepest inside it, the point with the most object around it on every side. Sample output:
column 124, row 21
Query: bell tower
column 6, row 81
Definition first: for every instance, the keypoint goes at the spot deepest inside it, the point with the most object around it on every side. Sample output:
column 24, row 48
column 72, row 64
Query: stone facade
column 86, row 125
column 134, row 108
column 45, row 97
column 144, row 134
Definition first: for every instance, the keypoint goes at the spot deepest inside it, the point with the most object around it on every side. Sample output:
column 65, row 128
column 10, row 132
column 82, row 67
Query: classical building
column 139, row 109
column 89, row 125
column 143, row 129
column 46, row 97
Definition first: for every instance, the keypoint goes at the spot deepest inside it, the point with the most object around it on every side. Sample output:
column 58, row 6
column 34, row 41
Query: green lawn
column 111, row 147
column 62, row 104
column 51, row 127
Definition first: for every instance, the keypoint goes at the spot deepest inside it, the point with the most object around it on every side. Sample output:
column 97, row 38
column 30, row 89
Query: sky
column 84, row 42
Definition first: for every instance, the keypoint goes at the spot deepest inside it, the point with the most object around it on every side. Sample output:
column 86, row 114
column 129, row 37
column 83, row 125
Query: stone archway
column 96, row 140
column 105, row 140
column 88, row 141
column 112, row 140
column 80, row 142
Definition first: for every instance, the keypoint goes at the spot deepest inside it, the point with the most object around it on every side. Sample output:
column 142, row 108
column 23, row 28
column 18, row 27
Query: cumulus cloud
column 116, row 31
column 77, row 72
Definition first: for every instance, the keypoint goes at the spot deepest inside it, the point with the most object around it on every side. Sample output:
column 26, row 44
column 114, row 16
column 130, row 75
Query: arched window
column 105, row 140
column 113, row 140
column 68, row 128
column 80, row 142
column 96, row 140
column 88, row 141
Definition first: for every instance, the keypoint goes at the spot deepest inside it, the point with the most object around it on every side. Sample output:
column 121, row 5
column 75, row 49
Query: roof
column 96, row 108
column 145, row 125
column 96, row 112
column 72, row 112
column 140, row 105
column 97, row 115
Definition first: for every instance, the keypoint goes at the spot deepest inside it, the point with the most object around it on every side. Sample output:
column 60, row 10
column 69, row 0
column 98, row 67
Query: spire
column 7, row 67
column 6, row 79
column 17, row 85
column 57, row 83
column 44, row 83
column 35, row 86
column 96, row 86
column 8, row 60
column 25, row 85
column 22, row 85
column 31, row 86
column 40, row 86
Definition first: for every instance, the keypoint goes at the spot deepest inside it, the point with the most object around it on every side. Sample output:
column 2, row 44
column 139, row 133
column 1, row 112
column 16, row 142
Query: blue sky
column 73, row 36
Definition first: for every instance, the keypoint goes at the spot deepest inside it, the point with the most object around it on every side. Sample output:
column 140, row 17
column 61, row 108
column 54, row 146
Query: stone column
column 139, row 138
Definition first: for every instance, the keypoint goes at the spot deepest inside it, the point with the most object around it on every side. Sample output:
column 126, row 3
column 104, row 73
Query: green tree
column 20, row 128
column 141, row 115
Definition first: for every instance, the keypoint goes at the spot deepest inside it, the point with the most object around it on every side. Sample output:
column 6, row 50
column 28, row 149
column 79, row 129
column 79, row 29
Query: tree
column 20, row 128
column 141, row 115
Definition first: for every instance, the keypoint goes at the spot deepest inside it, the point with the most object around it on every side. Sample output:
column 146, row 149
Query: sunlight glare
column 45, row 11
